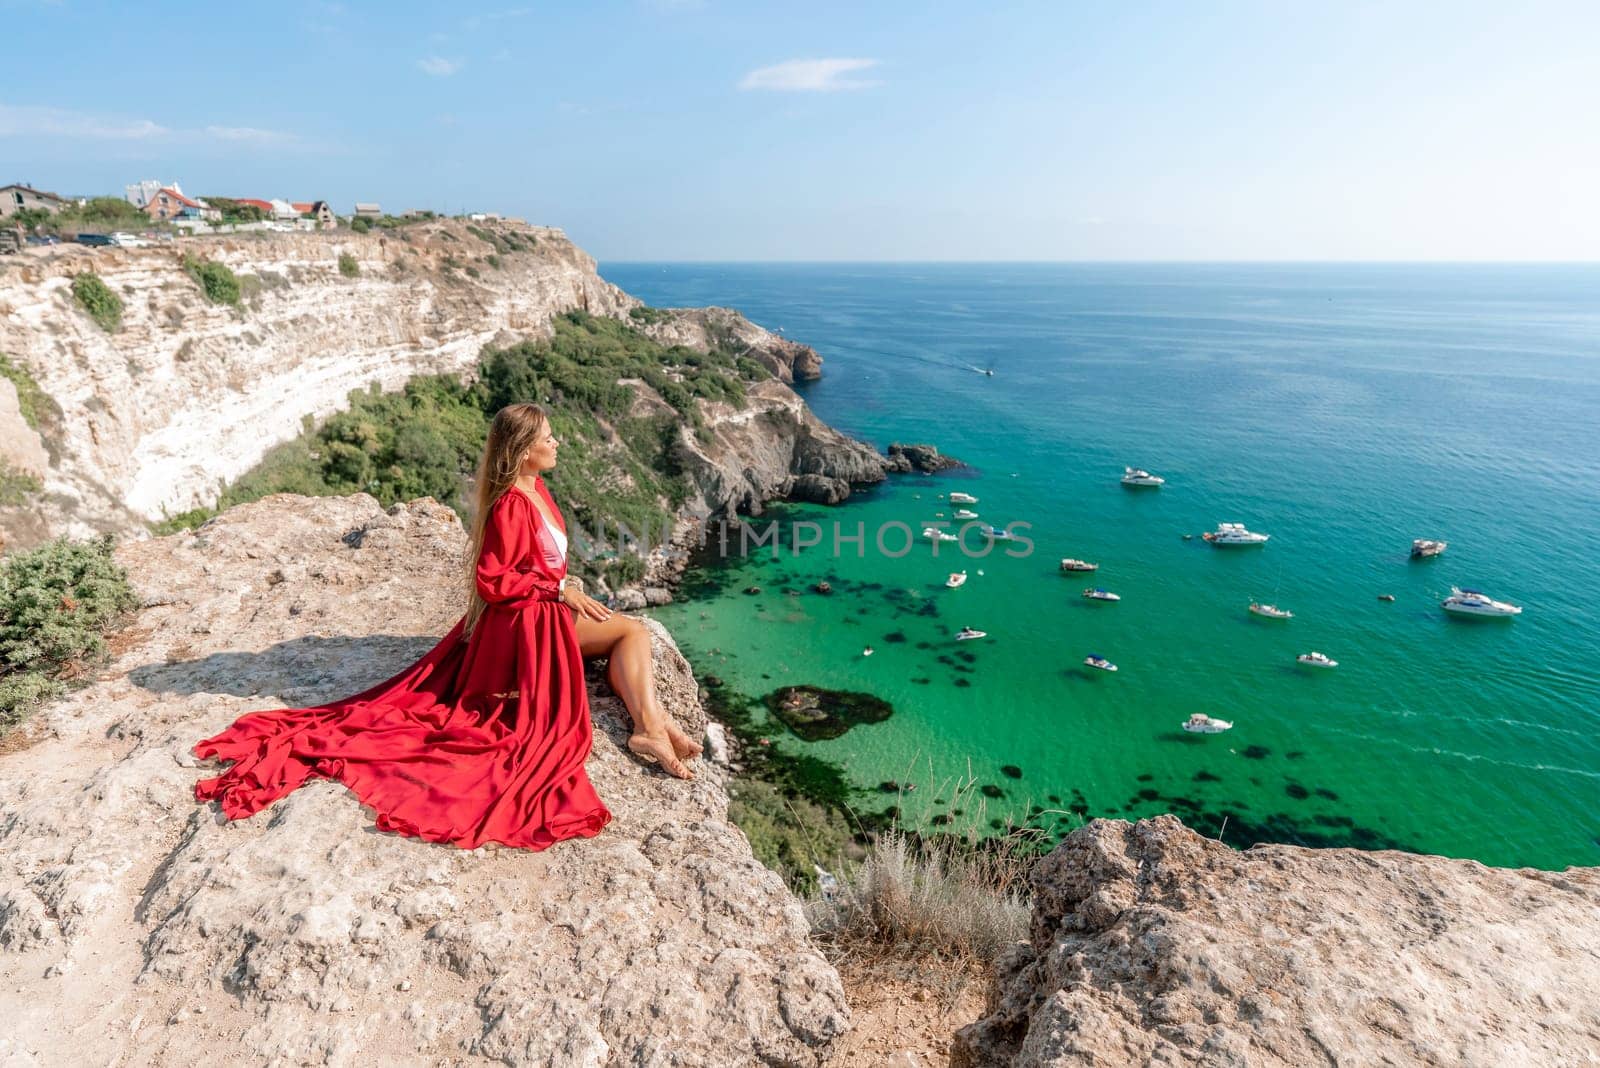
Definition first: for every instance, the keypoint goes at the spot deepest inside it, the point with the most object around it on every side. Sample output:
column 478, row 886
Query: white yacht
column 956, row 579
column 1095, row 593
column 1234, row 534
column 1473, row 603
column 1270, row 611
column 1423, row 548
column 1095, row 660
column 966, row 513
column 966, row 634
column 1072, row 564
column 1138, row 476
column 994, row 533
column 1316, row 659
column 935, row 534
column 1200, row 723
column 962, row 498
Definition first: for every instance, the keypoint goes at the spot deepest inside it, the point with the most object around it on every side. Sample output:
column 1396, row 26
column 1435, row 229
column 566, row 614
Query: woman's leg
column 626, row 643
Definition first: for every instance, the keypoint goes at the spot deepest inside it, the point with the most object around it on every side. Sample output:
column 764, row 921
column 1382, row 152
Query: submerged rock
column 816, row 714
column 1153, row 945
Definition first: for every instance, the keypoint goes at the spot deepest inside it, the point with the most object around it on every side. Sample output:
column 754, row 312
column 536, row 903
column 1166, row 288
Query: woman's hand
column 585, row 605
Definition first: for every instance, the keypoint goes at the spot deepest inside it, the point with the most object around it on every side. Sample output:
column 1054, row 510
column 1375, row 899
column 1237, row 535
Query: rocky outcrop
column 137, row 925
column 756, row 452
column 924, row 459
column 1153, row 945
column 707, row 328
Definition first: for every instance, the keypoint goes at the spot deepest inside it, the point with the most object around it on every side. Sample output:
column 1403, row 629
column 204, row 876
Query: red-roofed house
column 264, row 205
column 319, row 210
column 170, row 204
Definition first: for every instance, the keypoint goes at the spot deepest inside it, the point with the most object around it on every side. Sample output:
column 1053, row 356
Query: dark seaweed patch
column 1011, row 770
column 814, row 713
column 1205, row 776
column 1296, row 791
column 989, row 789
column 1255, row 752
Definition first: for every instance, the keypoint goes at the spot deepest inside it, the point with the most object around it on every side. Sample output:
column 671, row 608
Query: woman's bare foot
column 658, row 750
column 686, row 747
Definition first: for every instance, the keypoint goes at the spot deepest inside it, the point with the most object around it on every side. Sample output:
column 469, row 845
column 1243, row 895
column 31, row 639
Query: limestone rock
column 1153, row 945
column 922, row 458
column 819, row 489
column 304, row 936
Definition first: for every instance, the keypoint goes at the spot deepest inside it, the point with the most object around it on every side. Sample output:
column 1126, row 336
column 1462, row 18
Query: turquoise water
column 1342, row 409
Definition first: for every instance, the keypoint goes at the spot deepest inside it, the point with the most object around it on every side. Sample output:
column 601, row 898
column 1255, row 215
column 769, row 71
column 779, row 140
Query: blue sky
column 681, row 130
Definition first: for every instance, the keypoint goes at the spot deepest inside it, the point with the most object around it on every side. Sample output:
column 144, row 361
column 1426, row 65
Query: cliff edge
column 135, row 923
column 1153, row 945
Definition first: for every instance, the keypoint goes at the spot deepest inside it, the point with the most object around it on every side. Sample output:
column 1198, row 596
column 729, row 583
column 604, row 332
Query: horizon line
column 1115, row 262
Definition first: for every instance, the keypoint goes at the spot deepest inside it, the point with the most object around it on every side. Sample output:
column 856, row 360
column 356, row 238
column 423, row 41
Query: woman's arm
column 509, row 567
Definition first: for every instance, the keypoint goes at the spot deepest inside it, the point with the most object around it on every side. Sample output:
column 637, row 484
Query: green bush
column 361, row 224
column 348, row 265
column 56, row 604
column 96, row 298
column 219, row 283
column 17, row 486
column 37, row 407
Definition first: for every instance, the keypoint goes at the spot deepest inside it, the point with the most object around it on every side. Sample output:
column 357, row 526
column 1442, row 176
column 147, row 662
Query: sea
column 1342, row 409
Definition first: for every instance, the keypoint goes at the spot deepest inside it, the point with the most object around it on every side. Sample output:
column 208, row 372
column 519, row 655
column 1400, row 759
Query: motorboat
column 1071, row 564
column 1138, row 476
column 1271, row 611
column 1200, row 723
column 1095, row 660
column 1316, row 659
column 966, row 634
column 1424, row 548
column 935, row 534
column 1095, row 593
column 962, row 498
column 996, row 534
column 966, row 513
column 1386, row 597
column 1234, row 534
column 956, row 579
column 1475, row 603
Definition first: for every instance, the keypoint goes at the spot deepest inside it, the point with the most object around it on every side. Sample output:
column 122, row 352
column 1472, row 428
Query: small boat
column 1188, row 537
column 1424, row 548
column 962, row 498
column 1200, row 723
column 966, row 513
column 996, row 534
column 966, row 634
column 1095, row 660
column 1234, row 534
column 1474, row 603
column 1385, row 596
column 1138, row 476
column 1271, row 611
column 823, row 587
column 935, row 534
column 1070, row 564
column 956, row 579
column 1095, row 593
column 1316, row 659
column 867, row 651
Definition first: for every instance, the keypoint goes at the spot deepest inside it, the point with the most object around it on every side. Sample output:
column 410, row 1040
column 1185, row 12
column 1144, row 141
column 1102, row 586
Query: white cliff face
column 137, row 924
column 188, row 395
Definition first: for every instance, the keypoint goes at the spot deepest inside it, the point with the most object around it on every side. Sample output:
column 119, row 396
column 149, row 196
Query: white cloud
column 59, row 122
column 27, row 121
column 248, row 133
column 811, row 75
column 438, row 66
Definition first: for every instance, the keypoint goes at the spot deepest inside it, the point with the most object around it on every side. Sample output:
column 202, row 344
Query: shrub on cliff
column 38, row 410
column 348, row 265
column 56, row 604
column 218, row 282
column 96, row 298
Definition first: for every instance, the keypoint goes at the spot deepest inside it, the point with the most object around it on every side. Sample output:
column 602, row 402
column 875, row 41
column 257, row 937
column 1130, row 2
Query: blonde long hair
column 515, row 429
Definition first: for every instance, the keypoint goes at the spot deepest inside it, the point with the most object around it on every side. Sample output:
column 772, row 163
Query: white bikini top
column 561, row 545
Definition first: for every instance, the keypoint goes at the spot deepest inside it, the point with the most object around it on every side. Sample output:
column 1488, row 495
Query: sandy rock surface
column 137, row 925
column 1153, row 945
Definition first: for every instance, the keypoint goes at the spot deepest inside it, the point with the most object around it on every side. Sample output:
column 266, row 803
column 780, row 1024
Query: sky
column 713, row 130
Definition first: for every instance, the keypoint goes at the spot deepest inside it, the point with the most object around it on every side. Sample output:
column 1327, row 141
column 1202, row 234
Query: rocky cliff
column 185, row 395
column 1153, row 945
column 135, row 924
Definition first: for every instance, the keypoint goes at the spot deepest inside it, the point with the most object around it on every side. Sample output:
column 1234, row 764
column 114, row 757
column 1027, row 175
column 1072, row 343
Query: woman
column 484, row 739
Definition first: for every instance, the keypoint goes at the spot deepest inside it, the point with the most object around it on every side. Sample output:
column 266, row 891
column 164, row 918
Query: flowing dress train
column 482, row 740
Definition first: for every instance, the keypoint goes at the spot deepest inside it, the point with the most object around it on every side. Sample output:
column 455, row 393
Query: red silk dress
column 482, row 740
